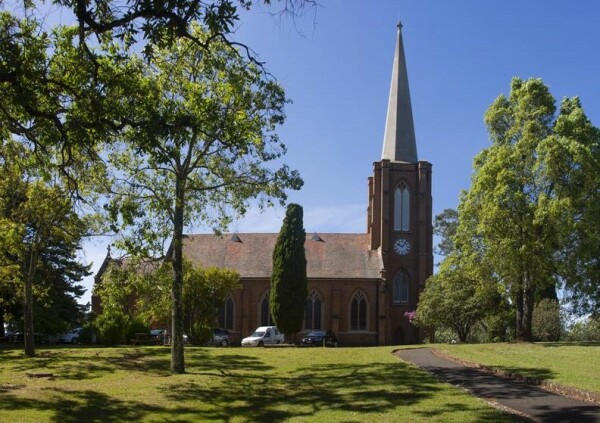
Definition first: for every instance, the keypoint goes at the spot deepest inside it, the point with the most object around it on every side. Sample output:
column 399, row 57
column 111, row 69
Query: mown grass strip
column 233, row 384
column 574, row 365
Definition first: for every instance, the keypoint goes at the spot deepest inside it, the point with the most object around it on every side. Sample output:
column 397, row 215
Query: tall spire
column 399, row 144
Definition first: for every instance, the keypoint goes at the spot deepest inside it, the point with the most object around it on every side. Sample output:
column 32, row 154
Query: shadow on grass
column 98, row 362
column 89, row 363
column 364, row 389
column 224, row 387
column 82, row 406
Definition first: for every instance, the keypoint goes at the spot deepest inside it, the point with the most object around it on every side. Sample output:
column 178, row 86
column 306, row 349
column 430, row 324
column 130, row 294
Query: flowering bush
column 412, row 316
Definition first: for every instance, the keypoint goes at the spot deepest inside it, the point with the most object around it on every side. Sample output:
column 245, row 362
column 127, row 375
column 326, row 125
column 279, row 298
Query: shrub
column 546, row 324
column 86, row 335
column 112, row 327
column 585, row 331
column 135, row 326
column 201, row 334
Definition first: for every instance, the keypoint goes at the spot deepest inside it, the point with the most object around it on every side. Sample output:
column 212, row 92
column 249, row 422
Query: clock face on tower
column 402, row 247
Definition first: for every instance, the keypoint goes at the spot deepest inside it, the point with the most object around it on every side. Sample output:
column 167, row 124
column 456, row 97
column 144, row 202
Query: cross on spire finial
column 399, row 25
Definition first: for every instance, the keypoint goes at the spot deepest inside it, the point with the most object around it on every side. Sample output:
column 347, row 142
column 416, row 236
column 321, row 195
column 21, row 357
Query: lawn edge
column 567, row 391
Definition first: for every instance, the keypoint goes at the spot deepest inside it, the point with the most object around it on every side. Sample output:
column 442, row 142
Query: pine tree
column 288, row 281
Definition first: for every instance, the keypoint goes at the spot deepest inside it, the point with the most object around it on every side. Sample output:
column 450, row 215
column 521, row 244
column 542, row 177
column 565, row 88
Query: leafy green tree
column 585, row 330
column 76, row 100
column 525, row 207
column 204, row 293
column 41, row 238
column 200, row 158
column 444, row 226
column 456, row 298
column 136, row 290
column 287, row 299
column 547, row 323
column 58, row 287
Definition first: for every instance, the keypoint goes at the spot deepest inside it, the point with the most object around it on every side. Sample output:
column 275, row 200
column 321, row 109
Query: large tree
column 40, row 236
column 459, row 296
column 139, row 290
column 65, row 106
column 528, row 208
column 200, row 157
column 287, row 299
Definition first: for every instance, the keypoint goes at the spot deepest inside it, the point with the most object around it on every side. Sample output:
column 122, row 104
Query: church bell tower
column 399, row 222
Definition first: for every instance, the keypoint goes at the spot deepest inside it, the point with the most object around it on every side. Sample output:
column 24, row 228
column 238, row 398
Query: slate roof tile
column 335, row 256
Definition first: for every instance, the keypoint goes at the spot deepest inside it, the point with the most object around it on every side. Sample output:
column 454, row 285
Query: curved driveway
column 540, row 405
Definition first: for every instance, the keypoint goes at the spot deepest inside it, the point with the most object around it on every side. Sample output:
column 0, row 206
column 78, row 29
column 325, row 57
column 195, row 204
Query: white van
column 263, row 335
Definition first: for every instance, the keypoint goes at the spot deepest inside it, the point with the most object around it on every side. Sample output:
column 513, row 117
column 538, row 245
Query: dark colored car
column 220, row 337
column 318, row 338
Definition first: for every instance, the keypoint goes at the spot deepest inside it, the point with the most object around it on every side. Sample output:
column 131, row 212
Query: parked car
column 220, row 337
column 318, row 338
column 71, row 337
column 263, row 335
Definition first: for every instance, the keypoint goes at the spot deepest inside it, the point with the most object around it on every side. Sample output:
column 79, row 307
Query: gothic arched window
column 265, row 313
column 401, row 290
column 226, row 314
column 313, row 311
column 358, row 311
column 402, row 207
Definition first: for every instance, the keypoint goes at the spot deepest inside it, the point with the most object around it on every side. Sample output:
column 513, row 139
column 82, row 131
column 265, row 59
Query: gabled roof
column 332, row 256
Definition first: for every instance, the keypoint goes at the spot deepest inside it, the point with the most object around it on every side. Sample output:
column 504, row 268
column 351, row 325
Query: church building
column 360, row 285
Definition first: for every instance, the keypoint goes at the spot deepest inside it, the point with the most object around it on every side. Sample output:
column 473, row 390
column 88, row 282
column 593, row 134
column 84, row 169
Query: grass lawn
column 576, row 365
column 230, row 384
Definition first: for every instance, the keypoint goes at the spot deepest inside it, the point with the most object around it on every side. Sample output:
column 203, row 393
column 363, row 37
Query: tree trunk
column 519, row 307
column 431, row 334
column 177, row 357
column 28, row 300
column 2, row 332
column 462, row 330
column 528, row 300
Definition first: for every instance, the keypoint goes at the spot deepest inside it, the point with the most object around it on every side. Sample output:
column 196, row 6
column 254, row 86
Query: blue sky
column 336, row 68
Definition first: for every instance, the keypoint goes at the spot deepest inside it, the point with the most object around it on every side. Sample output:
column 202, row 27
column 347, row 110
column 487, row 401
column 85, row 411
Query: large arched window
column 402, row 207
column 401, row 291
column 226, row 314
column 265, row 313
column 359, row 308
column 313, row 311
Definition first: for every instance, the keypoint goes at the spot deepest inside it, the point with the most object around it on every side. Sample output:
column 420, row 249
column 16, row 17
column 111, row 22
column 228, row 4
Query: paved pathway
column 541, row 405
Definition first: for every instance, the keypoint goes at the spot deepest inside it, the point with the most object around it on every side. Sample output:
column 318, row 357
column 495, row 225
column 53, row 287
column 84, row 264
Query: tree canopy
column 189, row 121
column 39, row 239
column 200, row 155
column 287, row 299
column 135, row 290
column 534, row 197
column 444, row 226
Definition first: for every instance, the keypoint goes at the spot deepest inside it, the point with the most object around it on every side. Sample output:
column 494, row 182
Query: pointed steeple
column 399, row 144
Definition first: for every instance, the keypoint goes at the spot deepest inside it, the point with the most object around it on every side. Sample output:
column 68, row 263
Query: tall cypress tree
column 288, row 280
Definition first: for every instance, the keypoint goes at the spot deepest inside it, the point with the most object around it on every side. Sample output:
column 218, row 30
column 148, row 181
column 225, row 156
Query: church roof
column 399, row 144
column 331, row 256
